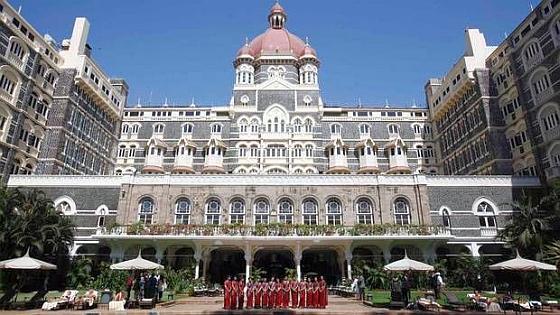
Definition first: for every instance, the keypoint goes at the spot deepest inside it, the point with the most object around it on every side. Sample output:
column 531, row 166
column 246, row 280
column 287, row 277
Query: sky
column 371, row 51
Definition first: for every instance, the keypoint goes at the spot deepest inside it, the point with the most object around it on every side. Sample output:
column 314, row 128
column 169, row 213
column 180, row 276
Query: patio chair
column 88, row 301
column 147, row 303
column 453, row 302
column 37, row 299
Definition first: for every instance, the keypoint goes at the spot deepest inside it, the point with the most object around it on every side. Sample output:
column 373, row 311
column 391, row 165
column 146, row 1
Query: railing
column 543, row 96
column 278, row 230
column 15, row 60
column 552, row 172
column 488, row 231
column 535, row 60
column 6, row 96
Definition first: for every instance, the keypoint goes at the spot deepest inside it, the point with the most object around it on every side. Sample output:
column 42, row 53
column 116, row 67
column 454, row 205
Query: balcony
column 552, row 172
column 536, row 60
column 488, row 231
column 543, row 96
column 278, row 230
column 4, row 95
column 15, row 60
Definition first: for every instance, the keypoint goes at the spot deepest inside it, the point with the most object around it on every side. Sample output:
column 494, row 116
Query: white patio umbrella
column 522, row 264
column 137, row 263
column 26, row 262
column 407, row 264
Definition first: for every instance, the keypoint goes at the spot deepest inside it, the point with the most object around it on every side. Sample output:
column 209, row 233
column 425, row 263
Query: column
column 205, row 265
column 429, row 254
column 349, row 263
column 298, row 253
column 387, row 254
column 474, row 247
column 197, row 257
column 159, row 254
column 340, row 260
column 117, row 254
column 248, row 261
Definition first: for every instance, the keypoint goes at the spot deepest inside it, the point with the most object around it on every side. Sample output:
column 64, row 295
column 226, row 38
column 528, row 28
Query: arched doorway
column 273, row 262
column 226, row 262
column 184, row 258
column 321, row 262
column 411, row 251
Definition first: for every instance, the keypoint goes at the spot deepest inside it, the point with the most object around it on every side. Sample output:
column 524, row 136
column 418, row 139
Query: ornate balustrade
column 277, row 230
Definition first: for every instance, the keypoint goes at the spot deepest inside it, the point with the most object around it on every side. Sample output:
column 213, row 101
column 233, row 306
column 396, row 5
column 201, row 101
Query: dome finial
column 246, row 41
column 306, row 40
column 277, row 16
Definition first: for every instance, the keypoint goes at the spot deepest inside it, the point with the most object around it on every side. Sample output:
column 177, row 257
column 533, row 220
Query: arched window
column 132, row 151
column 486, row 215
column 242, row 150
column 187, row 129
column 254, row 150
column 124, row 129
column 540, row 85
column 135, row 129
column 243, row 125
column 417, row 129
column 298, row 150
column 17, row 53
column 182, row 211
column 213, row 211
column 446, row 218
column 122, row 151
column 261, row 211
column 254, row 126
column 401, row 210
column 158, row 129
column 216, row 128
column 334, row 211
column 532, row 54
column 364, row 130
column 237, row 211
column 549, row 117
column 336, row 129
column 8, row 85
column 309, row 150
column 285, row 211
column 297, row 125
column 146, row 210
column 308, row 125
column 393, row 130
column 63, row 207
column 309, row 211
column 364, row 211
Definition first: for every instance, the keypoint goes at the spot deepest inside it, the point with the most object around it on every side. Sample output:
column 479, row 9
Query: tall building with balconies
column 526, row 76
column 468, row 129
column 59, row 112
column 29, row 70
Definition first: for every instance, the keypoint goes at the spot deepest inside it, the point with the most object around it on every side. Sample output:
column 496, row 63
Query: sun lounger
column 66, row 300
column 147, row 303
column 428, row 305
column 453, row 302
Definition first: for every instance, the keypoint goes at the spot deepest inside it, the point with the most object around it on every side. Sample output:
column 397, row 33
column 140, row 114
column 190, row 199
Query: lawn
column 23, row 296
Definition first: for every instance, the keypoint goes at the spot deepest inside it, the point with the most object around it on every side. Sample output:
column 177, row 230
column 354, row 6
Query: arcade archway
column 226, row 262
column 274, row 262
column 321, row 262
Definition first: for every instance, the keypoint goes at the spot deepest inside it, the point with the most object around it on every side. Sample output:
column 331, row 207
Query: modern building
column 59, row 113
column 278, row 179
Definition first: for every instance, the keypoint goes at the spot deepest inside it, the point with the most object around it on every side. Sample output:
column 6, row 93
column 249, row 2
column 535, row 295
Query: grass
column 24, row 296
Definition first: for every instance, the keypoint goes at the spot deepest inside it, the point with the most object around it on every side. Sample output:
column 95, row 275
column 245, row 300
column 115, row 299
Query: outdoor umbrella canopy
column 521, row 264
column 137, row 263
column 26, row 262
column 407, row 264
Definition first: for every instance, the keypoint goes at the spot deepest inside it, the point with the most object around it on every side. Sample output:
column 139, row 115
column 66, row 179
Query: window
column 158, row 129
column 487, row 216
column 540, row 83
column 63, row 207
column 237, row 211
column 216, row 128
column 309, row 150
column 393, row 130
column 122, row 151
column 401, row 210
column 8, row 83
column 132, row 151
column 254, row 126
column 446, row 219
column 182, row 211
column 364, row 211
column 187, row 129
column 124, row 129
column 336, row 129
column 334, row 211
column 286, row 211
column 146, row 210
column 213, row 211
column 242, row 150
column 530, row 53
column 364, row 130
column 309, row 211
column 254, row 150
column 297, row 125
column 298, row 150
column 262, row 211
column 417, row 129
column 17, row 53
column 243, row 125
column 308, row 125
column 135, row 129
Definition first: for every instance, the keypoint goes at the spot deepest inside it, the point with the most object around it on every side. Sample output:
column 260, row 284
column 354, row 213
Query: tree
column 528, row 228
column 80, row 274
column 552, row 252
column 28, row 220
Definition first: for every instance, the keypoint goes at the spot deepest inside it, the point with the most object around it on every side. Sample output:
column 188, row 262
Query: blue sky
column 370, row 49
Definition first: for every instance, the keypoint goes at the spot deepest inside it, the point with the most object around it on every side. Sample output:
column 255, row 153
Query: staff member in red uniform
column 279, row 294
column 258, row 296
column 309, row 294
column 294, row 292
column 286, row 293
column 241, row 294
column 315, row 293
column 302, row 288
column 265, row 288
column 323, row 293
column 250, row 287
column 227, row 293
column 234, row 293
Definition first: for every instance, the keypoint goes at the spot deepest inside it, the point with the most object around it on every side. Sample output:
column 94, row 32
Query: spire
column 306, row 40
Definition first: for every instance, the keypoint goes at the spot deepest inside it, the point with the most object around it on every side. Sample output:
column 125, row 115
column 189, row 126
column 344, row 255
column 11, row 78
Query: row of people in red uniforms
column 276, row 293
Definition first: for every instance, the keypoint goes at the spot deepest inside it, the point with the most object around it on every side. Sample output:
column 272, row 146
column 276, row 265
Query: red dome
column 276, row 41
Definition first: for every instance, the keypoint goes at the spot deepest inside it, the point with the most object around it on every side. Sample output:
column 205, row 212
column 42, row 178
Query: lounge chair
column 424, row 304
column 66, row 300
column 36, row 300
column 453, row 302
column 147, row 303
column 88, row 301
column 118, row 303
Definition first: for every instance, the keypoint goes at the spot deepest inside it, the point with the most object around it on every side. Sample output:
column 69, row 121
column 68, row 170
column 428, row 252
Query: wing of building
column 278, row 178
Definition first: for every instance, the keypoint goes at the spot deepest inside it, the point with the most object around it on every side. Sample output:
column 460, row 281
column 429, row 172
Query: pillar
column 197, row 257
column 474, row 247
column 387, row 254
column 205, row 264
column 159, row 254
column 117, row 254
column 349, row 263
column 248, row 261
column 340, row 260
column 297, row 260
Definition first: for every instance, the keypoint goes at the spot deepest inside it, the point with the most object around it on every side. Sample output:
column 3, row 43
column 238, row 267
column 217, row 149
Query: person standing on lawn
column 362, row 285
column 405, row 289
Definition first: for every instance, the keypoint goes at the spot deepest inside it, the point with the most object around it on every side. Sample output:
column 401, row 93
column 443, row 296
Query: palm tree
column 552, row 253
column 528, row 228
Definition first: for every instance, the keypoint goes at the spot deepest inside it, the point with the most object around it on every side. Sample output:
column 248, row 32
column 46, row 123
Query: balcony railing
column 15, row 60
column 277, row 230
column 543, row 96
column 6, row 96
column 488, row 231
column 552, row 172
